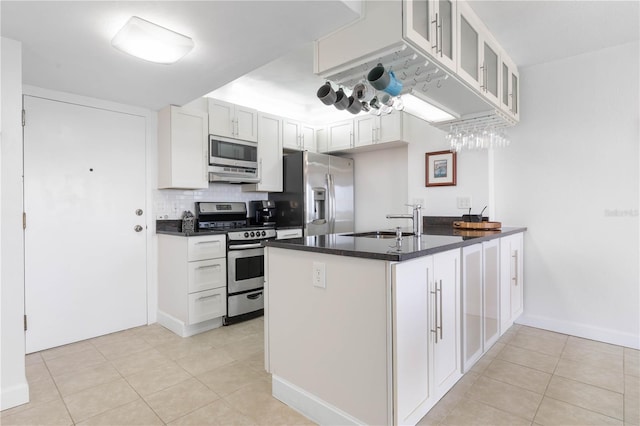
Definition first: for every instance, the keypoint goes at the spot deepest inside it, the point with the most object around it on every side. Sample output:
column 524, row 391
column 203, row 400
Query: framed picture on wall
column 440, row 168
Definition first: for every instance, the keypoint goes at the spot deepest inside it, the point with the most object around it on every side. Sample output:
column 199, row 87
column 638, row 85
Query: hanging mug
column 326, row 94
column 355, row 106
column 363, row 91
column 342, row 100
column 383, row 80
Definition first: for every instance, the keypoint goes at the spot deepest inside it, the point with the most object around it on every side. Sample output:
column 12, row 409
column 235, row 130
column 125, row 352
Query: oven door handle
column 245, row 246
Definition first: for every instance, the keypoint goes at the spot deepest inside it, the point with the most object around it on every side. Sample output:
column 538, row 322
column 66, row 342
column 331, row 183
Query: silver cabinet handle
column 439, row 31
column 208, row 267
column 441, row 327
column 207, row 297
column 515, row 275
column 435, row 304
column 208, row 242
column 435, row 22
column 138, row 228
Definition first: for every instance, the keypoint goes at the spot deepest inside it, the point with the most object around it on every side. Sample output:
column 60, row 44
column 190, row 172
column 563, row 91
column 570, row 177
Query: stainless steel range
column 245, row 256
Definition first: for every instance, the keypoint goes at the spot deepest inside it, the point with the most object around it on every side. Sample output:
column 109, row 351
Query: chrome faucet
column 416, row 217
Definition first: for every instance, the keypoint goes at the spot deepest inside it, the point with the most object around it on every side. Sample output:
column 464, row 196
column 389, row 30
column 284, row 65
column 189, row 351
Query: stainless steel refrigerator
column 318, row 194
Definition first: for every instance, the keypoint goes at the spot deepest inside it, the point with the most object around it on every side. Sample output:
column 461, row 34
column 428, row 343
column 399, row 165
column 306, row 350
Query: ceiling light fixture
column 151, row 42
column 417, row 104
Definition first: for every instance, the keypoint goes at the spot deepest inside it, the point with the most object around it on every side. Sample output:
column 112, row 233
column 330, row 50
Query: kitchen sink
column 378, row 234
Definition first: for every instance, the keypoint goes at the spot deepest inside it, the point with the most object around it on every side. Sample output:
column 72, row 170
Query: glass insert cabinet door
column 510, row 85
column 431, row 26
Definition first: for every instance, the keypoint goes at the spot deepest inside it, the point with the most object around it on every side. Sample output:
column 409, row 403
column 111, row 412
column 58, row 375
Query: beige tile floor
column 150, row 376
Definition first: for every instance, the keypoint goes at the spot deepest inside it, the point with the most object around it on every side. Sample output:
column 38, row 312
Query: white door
column 85, row 264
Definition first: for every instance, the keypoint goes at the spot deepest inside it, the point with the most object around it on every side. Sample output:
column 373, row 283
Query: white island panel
column 333, row 342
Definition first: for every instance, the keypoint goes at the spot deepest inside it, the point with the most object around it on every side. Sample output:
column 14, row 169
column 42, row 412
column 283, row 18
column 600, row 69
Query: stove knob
column 253, row 234
column 264, row 233
column 246, row 235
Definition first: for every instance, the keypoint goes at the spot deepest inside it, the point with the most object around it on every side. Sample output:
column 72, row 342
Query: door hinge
column 24, row 220
column 23, row 117
column 25, row 323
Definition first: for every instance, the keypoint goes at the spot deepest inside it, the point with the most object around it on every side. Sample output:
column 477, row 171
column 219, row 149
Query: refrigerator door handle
column 332, row 204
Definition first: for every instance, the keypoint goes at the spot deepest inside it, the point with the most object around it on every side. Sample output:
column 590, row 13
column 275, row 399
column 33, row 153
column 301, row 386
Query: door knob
column 139, row 212
column 138, row 228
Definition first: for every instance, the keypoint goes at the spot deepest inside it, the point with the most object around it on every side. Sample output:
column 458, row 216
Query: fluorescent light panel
column 151, row 42
column 419, row 106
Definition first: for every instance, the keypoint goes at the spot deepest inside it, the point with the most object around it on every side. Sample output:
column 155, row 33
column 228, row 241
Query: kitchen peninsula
column 368, row 329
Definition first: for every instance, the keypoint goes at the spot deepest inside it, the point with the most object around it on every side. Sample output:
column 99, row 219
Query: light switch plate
column 464, row 202
column 318, row 275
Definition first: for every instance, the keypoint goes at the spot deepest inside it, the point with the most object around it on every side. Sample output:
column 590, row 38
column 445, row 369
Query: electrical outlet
column 318, row 277
column 464, row 202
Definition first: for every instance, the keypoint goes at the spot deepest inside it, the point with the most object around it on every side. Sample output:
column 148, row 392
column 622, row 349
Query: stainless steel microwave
column 232, row 160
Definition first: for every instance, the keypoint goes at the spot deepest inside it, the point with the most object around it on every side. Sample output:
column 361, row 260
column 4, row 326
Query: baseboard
column 605, row 335
column 184, row 330
column 309, row 405
column 14, row 396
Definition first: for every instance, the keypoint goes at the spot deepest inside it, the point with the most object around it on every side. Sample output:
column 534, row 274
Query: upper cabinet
column 269, row 155
column 431, row 26
column 438, row 49
column 232, row 121
column 298, row 136
column 182, row 148
column 478, row 61
column 509, row 98
column 365, row 133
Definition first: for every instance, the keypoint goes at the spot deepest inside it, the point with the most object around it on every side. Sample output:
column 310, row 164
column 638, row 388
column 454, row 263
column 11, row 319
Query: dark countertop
column 174, row 227
column 433, row 240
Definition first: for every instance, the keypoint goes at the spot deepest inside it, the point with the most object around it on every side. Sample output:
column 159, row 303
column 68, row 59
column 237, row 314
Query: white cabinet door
column 206, row 305
column 510, row 86
column 207, row 274
column 340, row 136
column 246, row 123
column 308, row 138
column 511, row 285
column 232, row 121
column 269, row 155
column 365, row 130
column 221, row 118
column 490, row 68
column 291, row 134
column 471, row 305
column 469, row 55
column 206, row 247
column 182, row 148
column 390, row 127
column 411, row 281
column 446, row 348
column 491, row 293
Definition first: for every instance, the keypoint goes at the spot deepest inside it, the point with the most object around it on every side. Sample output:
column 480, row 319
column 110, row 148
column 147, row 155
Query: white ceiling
column 66, row 45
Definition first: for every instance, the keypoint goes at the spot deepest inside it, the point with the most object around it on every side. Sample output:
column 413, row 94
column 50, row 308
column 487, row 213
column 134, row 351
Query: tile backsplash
column 171, row 203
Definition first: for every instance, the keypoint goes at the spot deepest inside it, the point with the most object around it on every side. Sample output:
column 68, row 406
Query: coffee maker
column 262, row 212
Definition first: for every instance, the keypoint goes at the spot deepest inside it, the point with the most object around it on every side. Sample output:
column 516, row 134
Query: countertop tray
column 477, row 225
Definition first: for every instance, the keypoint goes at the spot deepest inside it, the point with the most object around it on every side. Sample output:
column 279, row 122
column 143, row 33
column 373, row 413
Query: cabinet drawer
column 208, row 247
column 206, row 305
column 207, row 274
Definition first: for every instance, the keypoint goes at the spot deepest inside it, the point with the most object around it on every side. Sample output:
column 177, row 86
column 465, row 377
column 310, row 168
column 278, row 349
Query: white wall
column 571, row 176
column 15, row 390
column 472, row 174
column 380, row 188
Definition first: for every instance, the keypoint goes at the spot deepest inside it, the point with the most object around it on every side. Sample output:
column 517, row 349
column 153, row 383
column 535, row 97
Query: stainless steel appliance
column 262, row 212
column 245, row 256
column 232, row 160
column 318, row 194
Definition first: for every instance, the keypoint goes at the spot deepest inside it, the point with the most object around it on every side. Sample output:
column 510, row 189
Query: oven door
column 245, row 267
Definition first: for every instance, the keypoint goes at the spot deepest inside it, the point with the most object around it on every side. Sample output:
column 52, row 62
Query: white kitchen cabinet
column 480, row 300
column 426, row 350
column 511, row 279
column 340, row 135
column 232, row 121
column 269, row 155
column 478, row 54
column 298, row 136
column 192, row 282
column 431, row 26
column 510, row 81
column 372, row 129
column 182, row 148
column 321, row 139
